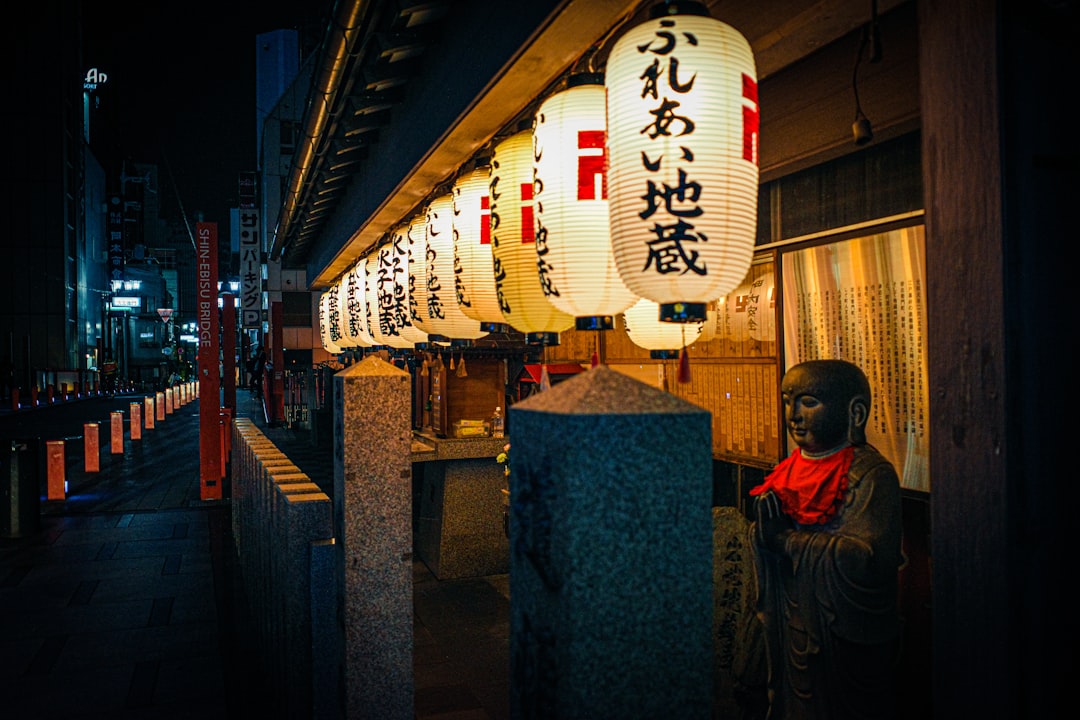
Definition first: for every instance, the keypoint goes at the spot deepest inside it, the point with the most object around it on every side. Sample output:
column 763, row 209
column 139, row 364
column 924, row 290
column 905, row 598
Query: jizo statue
column 827, row 538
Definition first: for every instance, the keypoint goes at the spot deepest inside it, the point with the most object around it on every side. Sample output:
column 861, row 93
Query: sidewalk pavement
column 126, row 602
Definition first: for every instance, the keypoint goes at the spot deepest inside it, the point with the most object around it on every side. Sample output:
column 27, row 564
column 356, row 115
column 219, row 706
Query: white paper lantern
column 513, row 237
column 474, row 276
column 682, row 123
column 645, row 329
column 416, row 234
column 573, row 237
column 353, row 308
column 368, row 265
column 392, row 292
column 328, row 322
column 444, row 316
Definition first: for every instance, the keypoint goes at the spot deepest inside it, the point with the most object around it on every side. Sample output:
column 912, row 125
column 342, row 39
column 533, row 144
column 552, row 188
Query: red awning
column 531, row 373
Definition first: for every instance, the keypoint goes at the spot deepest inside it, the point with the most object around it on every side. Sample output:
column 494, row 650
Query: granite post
column 373, row 519
column 611, row 552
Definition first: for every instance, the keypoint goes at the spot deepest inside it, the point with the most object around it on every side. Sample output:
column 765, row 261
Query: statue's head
column 826, row 404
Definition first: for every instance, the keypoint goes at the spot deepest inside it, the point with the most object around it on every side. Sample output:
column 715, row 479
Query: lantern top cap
column 585, row 78
column 675, row 7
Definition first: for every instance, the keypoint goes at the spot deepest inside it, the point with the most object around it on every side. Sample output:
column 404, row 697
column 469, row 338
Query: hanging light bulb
column 682, row 122
column 513, row 236
column 573, row 237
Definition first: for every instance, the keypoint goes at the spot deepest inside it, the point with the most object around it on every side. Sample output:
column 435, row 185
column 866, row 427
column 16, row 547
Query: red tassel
column 684, row 366
column 595, row 358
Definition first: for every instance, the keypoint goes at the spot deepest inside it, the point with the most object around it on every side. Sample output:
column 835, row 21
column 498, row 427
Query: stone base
column 460, row 527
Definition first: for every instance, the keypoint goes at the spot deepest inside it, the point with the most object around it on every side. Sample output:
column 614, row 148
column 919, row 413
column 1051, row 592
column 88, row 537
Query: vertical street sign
column 209, row 379
column 250, row 270
column 250, row 252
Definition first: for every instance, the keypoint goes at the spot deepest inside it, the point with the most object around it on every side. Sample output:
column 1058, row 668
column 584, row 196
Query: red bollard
column 136, row 421
column 33, row 396
column 50, row 392
column 57, row 481
column 91, row 447
column 116, row 420
column 15, row 398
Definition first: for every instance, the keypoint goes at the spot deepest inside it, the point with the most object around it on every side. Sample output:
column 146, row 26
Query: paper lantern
column 368, row 266
column 416, row 234
column 336, row 314
column 328, row 322
column 392, row 292
column 576, row 262
column 645, row 329
column 513, row 237
column 682, row 123
column 353, row 309
column 474, row 275
column 444, row 316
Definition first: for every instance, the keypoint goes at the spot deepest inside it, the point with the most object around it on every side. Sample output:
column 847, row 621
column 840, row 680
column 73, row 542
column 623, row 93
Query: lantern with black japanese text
column 416, row 236
column 392, row 292
column 328, row 321
column 369, row 266
column 513, row 236
column 353, row 309
column 573, row 230
column 474, row 276
column 682, row 120
column 444, row 316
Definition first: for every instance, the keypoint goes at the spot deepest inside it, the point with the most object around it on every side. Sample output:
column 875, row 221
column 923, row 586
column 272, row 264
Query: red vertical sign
column 206, row 262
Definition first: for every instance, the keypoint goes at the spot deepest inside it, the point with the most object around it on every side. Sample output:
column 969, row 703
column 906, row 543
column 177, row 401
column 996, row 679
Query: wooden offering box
column 458, row 397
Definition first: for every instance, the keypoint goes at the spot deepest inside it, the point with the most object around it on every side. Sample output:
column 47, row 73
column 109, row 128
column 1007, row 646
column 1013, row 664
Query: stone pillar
column 611, row 552
column 373, row 519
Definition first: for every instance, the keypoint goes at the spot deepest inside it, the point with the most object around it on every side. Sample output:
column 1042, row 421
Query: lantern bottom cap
column 542, row 338
column 663, row 354
column 594, row 322
column 682, row 312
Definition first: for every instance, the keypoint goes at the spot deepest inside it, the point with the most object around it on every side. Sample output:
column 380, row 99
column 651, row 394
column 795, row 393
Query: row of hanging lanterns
column 635, row 196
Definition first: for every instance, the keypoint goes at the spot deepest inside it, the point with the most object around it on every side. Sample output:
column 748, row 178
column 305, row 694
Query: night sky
column 181, row 90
